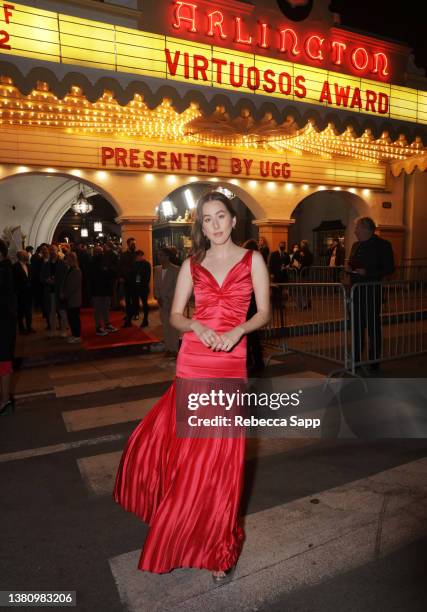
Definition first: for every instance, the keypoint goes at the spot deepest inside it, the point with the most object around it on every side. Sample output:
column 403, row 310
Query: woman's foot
column 223, row 577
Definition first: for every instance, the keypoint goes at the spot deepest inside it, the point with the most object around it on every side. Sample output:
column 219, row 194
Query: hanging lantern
column 81, row 206
column 97, row 226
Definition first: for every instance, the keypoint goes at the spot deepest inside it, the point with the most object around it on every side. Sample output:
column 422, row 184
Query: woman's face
column 217, row 222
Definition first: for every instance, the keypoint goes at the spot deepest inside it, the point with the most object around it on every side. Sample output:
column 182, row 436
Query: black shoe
column 8, row 408
column 127, row 324
column 144, row 323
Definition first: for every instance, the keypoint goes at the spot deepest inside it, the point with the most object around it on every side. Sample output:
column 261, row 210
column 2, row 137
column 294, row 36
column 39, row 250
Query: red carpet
column 122, row 337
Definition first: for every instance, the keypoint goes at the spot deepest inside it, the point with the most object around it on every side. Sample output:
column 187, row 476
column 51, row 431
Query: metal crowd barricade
column 388, row 321
column 315, row 274
column 308, row 318
column 367, row 324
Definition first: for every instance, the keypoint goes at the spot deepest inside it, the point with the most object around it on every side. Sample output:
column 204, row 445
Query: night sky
column 387, row 19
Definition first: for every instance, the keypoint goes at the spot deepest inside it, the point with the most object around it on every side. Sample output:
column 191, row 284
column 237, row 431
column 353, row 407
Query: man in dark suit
column 52, row 274
column 140, row 275
column 371, row 259
column 278, row 263
column 23, row 290
column 127, row 260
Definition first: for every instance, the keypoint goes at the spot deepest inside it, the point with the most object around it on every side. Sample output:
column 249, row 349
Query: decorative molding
column 267, row 221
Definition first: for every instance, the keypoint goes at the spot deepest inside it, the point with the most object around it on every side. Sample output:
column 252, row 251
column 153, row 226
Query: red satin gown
column 188, row 490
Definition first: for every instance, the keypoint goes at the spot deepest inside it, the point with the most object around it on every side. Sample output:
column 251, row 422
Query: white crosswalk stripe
column 98, row 471
column 293, row 545
column 111, row 414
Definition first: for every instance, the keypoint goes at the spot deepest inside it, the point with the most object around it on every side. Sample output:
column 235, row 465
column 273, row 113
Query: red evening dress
column 188, row 489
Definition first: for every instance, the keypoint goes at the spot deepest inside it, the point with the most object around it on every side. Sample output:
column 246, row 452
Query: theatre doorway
column 325, row 215
column 39, row 203
column 174, row 213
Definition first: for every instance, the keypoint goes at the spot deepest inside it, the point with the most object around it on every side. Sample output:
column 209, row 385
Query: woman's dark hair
column 3, row 248
column 200, row 243
column 250, row 244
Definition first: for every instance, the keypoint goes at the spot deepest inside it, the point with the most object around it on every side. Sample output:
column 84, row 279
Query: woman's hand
column 227, row 340
column 206, row 335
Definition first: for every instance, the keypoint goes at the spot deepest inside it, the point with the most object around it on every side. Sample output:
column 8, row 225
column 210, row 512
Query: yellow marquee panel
column 46, row 35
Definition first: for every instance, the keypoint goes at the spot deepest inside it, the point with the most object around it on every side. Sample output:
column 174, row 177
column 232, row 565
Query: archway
column 37, row 201
column 324, row 215
column 173, row 225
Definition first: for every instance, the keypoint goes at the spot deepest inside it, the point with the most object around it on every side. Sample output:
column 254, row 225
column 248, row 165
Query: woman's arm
column 183, row 291
column 261, row 285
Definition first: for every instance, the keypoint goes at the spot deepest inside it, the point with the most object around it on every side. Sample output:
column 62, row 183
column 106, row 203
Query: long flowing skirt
column 187, row 489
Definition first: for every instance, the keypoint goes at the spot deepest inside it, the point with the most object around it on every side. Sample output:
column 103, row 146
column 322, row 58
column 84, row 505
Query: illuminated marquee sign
column 173, row 161
column 45, row 147
column 212, row 24
column 44, row 35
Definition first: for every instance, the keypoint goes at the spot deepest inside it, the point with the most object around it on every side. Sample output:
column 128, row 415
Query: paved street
column 331, row 524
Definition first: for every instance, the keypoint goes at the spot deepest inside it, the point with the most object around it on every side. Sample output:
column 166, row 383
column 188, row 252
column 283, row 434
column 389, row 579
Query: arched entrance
column 37, row 201
column 173, row 224
column 324, row 215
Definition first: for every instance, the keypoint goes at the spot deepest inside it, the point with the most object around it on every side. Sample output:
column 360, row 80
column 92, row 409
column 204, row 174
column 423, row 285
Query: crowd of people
column 58, row 280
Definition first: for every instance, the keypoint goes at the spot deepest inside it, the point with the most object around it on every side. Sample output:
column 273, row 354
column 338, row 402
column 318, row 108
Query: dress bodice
column 223, row 306
column 220, row 307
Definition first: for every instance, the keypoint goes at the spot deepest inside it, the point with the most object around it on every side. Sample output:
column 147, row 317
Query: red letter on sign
column 338, row 49
column 384, row 62
column 106, row 153
column 200, row 66
column 190, row 18
column 218, row 64
column 325, row 95
column 359, row 58
column 382, row 103
column 133, row 158
column 8, row 8
column 239, row 39
column 283, row 45
column 263, row 36
column 236, row 165
column 121, row 155
column 172, row 63
column 248, row 163
column 212, row 164
column 216, row 19
column 314, row 41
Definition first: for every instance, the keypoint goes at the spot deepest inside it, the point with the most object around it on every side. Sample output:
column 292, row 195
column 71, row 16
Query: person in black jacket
column 371, row 259
column 52, row 274
column 101, row 284
column 127, row 260
column 140, row 282
column 23, row 288
column 7, row 329
column 278, row 263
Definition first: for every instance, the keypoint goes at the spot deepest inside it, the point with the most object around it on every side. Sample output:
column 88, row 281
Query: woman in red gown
column 188, row 489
